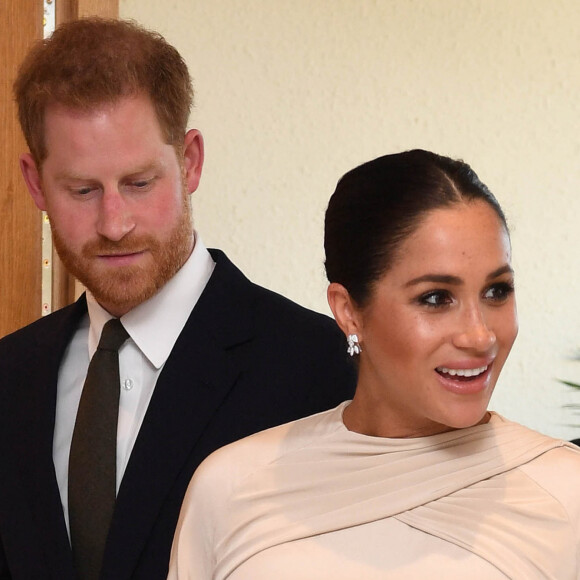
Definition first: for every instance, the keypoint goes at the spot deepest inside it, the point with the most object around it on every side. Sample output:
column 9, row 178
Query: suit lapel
column 37, row 387
column 197, row 376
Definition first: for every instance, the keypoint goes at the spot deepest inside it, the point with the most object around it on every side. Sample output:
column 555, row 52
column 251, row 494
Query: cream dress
column 310, row 500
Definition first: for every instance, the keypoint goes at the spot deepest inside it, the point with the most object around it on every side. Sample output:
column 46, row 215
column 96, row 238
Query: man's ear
column 345, row 311
column 31, row 175
column 192, row 158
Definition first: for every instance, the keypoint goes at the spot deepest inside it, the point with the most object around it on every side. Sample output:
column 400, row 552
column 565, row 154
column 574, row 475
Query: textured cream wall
column 290, row 95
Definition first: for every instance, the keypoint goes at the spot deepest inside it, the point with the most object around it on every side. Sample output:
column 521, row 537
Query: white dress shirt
column 153, row 328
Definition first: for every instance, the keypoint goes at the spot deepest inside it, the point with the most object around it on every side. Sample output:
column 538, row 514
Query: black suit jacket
column 246, row 360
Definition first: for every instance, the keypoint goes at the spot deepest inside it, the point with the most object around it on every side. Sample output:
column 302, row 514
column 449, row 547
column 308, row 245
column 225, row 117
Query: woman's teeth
column 462, row 372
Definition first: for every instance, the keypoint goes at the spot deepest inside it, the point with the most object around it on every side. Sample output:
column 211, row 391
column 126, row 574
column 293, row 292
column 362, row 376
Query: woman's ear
column 345, row 311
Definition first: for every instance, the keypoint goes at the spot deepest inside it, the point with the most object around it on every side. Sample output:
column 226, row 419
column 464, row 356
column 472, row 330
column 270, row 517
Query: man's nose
column 115, row 219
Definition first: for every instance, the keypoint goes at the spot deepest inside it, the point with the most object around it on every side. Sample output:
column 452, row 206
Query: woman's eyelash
column 497, row 292
column 435, row 298
column 505, row 289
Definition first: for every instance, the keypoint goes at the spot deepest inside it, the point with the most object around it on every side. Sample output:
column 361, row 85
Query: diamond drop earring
column 353, row 345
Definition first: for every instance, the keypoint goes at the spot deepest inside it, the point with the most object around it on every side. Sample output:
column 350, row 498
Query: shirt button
column 127, row 384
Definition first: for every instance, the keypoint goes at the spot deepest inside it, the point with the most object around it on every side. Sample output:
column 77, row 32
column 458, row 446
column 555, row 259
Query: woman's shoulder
column 557, row 472
column 562, row 460
column 232, row 463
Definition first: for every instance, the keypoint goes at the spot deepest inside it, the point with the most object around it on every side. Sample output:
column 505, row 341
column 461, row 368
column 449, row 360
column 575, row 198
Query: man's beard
column 121, row 289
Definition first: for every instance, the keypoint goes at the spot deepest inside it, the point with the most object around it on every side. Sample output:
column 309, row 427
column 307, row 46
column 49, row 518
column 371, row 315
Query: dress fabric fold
column 487, row 492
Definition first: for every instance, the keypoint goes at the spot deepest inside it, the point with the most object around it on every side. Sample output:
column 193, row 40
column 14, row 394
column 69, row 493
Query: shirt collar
column 155, row 325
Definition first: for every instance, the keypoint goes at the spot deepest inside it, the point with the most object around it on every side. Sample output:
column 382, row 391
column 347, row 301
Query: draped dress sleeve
column 476, row 488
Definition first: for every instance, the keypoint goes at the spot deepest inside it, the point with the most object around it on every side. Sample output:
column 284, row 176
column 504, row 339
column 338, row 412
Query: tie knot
column 113, row 335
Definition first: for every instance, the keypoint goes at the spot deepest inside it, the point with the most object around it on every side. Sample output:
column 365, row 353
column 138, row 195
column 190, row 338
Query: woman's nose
column 474, row 332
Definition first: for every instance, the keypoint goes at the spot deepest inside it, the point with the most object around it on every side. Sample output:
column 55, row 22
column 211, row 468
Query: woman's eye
column 499, row 292
column 436, row 298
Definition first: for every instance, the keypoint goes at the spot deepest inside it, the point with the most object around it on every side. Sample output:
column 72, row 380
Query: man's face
column 117, row 198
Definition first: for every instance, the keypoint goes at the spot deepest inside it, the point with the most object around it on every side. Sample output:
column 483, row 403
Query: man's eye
column 83, row 190
column 436, row 298
column 141, row 184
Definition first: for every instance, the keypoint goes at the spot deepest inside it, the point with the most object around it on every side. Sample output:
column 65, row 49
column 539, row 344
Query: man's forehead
column 91, row 109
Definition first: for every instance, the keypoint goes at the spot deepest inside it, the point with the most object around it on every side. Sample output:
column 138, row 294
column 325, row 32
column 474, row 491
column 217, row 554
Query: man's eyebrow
column 144, row 169
column 455, row 280
column 66, row 176
column 73, row 176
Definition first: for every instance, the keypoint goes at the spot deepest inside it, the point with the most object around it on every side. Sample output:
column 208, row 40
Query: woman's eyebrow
column 438, row 278
column 507, row 269
column 455, row 280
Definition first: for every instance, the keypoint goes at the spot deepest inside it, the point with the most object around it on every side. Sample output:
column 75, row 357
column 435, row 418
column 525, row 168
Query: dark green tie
column 93, row 455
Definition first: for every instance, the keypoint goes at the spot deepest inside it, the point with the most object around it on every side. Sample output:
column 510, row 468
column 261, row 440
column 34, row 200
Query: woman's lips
column 466, row 379
column 467, row 373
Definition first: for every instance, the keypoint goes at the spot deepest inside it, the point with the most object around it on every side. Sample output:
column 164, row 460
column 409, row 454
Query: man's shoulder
column 269, row 306
column 45, row 330
column 270, row 303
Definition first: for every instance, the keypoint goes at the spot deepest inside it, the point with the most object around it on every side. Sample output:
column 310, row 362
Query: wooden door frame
column 20, row 234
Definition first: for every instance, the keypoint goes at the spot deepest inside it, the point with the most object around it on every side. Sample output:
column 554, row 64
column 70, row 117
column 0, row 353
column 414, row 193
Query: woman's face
column 440, row 324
